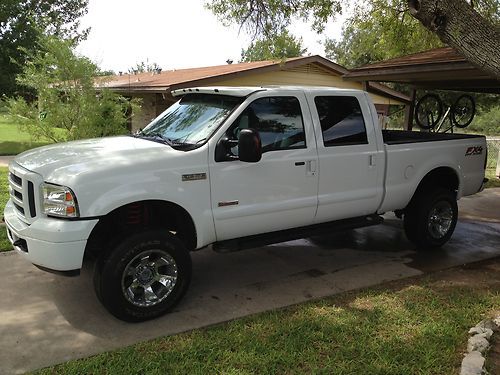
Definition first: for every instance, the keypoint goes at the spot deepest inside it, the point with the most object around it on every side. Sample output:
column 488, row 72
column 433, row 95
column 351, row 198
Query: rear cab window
column 341, row 120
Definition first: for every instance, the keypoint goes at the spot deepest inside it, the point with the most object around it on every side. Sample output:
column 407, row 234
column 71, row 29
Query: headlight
column 59, row 201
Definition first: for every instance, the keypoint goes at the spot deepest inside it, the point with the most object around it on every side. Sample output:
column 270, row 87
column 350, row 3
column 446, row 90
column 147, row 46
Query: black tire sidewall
column 418, row 218
column 111, row 266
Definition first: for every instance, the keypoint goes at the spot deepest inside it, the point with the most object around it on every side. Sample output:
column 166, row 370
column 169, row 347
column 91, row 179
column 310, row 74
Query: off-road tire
column 110, row 267
column 431, row 217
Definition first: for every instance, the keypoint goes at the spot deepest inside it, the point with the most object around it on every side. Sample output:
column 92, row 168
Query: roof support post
column 410, row 108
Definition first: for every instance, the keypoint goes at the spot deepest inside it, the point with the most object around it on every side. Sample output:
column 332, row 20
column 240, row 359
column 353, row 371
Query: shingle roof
column 172, row 77
column 169, row 80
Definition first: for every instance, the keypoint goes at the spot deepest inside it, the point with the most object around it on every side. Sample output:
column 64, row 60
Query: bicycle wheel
column 463, row 111
column 428, row 111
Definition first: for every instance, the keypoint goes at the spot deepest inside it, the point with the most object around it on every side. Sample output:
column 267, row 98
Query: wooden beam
column 410, row 108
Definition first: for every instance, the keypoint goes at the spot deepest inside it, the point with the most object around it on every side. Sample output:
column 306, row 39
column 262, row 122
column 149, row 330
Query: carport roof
column 439, row 68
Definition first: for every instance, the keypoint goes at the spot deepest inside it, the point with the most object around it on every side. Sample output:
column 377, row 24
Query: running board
column 295, row 233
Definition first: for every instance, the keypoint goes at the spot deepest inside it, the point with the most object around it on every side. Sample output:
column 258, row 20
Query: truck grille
column 22, row 194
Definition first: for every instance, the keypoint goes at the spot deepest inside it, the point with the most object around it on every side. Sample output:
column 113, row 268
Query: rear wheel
column 431, row 217
column 463, row 111
column 143, row 276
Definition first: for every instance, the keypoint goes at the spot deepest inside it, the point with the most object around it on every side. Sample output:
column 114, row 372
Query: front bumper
column 51, row 243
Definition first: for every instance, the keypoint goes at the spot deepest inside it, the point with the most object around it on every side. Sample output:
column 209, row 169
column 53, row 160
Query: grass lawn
column 493, row 180
column 414, row 326
column 12, row 140
column 4, row 187
column 4, row 197
column 4, row 242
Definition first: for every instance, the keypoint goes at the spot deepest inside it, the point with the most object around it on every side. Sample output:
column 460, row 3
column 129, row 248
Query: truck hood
column 80, row 157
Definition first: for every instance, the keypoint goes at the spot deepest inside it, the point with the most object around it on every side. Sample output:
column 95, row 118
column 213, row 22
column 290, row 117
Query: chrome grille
column 22, row 194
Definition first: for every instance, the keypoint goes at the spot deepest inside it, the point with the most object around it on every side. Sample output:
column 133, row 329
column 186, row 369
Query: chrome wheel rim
column 440, row 220
column 149, row 278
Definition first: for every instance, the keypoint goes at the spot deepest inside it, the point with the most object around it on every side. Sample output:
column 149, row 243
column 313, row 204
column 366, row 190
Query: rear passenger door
column 350, row 181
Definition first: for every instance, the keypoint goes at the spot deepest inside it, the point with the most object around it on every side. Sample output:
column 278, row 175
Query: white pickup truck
column 232, row 168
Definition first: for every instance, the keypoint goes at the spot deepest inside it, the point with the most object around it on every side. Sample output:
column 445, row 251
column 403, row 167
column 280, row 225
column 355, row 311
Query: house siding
column 306, row 75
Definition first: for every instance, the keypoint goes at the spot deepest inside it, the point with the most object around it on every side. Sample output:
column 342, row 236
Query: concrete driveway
column 48, row 319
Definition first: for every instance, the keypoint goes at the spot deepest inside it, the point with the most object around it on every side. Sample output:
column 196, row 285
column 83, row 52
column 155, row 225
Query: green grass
column 4, row 197
column 4, row 242
column 14, row 141
column 4, row 187
column 493, row 181
column 412, row 327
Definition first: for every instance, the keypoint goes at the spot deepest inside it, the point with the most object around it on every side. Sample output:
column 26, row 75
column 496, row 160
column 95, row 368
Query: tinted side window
column 341, row 120
column 278, row 121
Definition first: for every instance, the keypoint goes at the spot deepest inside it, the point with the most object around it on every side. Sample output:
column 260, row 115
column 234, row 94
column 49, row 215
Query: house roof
column 166, row 81
column 439, row 68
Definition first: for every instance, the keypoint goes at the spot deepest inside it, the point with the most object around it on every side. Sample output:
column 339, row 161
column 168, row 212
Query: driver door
column 279, row 191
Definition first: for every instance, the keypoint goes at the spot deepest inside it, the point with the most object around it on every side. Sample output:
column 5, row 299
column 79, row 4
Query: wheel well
column 137, row 216
column 443, row 177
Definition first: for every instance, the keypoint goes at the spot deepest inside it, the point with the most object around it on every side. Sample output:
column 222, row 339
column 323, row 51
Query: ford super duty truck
column 231, row 168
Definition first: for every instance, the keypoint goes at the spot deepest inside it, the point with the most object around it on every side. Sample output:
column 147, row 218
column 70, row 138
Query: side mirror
column 249, row 146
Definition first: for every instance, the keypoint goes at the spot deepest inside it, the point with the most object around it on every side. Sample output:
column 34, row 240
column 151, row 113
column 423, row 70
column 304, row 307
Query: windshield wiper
column 155, row 137
column 164, row 139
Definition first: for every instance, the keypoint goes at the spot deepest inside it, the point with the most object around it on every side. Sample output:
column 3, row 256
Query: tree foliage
column 379, row 30
column 277, row 47
column 144, row 66
column 66, row 97
column 21, row 21
column 268, row 17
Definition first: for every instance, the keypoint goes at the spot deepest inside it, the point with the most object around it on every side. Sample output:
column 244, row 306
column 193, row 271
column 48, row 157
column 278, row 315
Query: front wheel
column 431, row 217
column 144, row 276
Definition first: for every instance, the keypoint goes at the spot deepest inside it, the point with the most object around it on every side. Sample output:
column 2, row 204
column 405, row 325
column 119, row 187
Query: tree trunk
column 457, row 24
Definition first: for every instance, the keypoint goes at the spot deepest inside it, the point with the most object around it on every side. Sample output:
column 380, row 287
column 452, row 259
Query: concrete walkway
column 48, row 319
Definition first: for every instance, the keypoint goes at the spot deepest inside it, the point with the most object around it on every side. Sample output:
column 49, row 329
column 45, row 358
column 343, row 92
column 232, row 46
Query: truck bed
column 396, row 137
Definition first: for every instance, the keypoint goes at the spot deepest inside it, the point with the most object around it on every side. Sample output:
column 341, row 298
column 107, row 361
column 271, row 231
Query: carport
column 439, row 68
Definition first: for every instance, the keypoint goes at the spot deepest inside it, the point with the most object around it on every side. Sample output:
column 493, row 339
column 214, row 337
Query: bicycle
column 429, row 112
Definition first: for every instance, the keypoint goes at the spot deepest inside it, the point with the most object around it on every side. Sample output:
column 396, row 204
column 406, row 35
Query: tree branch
column 457, row 24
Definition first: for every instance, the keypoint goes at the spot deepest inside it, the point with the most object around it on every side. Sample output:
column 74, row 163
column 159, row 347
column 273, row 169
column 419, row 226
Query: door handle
column 372, row 160
column 299, row 163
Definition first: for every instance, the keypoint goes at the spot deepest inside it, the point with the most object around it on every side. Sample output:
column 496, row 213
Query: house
column 154, row 88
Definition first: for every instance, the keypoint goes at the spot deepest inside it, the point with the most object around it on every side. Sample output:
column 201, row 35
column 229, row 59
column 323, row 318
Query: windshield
column 191, row 120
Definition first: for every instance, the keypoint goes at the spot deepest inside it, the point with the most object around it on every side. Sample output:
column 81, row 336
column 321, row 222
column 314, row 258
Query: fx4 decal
column 474, row 150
